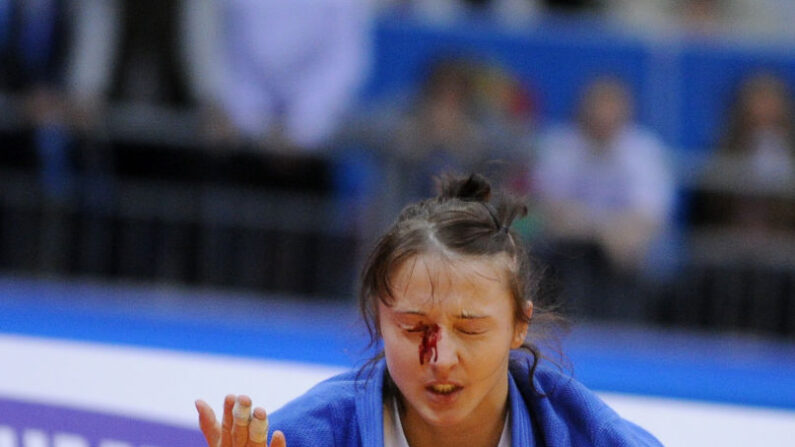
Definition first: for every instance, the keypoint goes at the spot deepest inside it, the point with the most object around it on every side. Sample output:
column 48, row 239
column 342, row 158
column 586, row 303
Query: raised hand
column 239, row 427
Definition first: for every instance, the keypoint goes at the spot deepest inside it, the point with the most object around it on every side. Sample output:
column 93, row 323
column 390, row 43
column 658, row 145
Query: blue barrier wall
column 674, row 364
column 683, row 86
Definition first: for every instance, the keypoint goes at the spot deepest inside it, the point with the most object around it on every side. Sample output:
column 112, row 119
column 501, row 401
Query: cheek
column 490, row 350
column 401, row 361
column 489, row 355
column 398, row 349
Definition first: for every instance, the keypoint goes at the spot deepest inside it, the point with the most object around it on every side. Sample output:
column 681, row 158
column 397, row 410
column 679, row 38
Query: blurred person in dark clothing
column 574, row 5
column 34, row 39
column 125, row 50
column 150, row 52
column 124, row 53
column 761, row 128
column 441, row 132
column 466, row 114
column 33, row 36
column 126, row 70
column 755, row 161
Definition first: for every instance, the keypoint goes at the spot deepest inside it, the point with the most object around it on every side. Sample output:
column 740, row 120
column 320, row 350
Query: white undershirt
column 393, row 429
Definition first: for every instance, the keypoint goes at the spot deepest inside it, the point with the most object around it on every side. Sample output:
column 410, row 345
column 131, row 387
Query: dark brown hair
column 462, row 220
column 740, row 127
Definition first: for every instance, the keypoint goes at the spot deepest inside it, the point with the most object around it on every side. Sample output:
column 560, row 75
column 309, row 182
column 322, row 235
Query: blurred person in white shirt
column 289, row 69
column 604, row 179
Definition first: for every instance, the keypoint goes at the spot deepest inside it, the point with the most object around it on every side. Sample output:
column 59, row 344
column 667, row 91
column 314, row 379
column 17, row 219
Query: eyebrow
column 463, row 315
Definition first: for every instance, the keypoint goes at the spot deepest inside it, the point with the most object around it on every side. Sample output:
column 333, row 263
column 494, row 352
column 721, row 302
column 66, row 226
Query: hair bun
column 474, row 188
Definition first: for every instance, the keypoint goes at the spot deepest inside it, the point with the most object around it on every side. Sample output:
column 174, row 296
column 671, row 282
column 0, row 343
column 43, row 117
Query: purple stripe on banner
column 93, row 428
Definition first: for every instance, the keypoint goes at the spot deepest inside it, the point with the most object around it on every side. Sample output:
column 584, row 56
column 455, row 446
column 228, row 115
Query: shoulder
column 564, row 409
column 644, row 152
column 324, row 415
column 565, row 399
column 560, row 138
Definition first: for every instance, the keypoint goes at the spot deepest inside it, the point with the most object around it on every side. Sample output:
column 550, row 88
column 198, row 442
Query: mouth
column 443, row 389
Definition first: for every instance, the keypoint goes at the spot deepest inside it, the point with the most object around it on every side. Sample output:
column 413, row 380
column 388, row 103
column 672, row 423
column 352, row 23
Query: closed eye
column 471, row 332
column 415, row 328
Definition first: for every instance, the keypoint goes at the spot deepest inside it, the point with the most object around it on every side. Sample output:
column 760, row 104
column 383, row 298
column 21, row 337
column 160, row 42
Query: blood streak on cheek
column 430, row 336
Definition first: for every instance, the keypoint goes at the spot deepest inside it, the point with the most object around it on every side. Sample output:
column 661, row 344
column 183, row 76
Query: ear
column 520, row 330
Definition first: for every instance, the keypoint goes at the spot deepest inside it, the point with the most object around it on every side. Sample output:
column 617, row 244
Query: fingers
column 242, row 416
column 239, row 427
column 210, row 427
column 258, row 429
column 278, row 439
column 228, row 421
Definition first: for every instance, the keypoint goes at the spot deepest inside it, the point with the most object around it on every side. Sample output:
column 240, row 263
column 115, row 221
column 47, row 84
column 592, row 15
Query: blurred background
column 221, row 157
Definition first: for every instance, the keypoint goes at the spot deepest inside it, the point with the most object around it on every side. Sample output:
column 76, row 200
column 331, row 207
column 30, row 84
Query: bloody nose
column 430, row 336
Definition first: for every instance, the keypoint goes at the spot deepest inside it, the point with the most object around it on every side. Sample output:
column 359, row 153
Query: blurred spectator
column 574, row 5
column 33, row 34
column 516, row 12
column 512, row 12
column 726, row 18
column 466, row 114
column 201, row 28
column 760, row 129
column 291, row 68
column 691, row 17
column 440, row 131
column 128, row 51
column 755, row 164
column 747, row 18
column 131, row 53
column 147, row 53
column 702, row 16
column 605, row 180
column 605, row 194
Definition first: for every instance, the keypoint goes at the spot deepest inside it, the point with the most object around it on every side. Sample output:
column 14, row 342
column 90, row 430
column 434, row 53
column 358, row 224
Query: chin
column 443, row 418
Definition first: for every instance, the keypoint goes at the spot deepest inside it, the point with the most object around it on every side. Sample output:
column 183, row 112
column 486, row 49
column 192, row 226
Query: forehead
column 431, row 281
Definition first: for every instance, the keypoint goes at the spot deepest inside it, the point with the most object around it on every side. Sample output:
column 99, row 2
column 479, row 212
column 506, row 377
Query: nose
column 447, row 352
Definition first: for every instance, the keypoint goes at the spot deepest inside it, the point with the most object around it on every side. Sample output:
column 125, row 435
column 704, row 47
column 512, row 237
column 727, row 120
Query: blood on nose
column 430, row 336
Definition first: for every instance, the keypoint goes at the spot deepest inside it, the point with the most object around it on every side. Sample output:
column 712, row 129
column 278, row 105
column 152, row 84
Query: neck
column 486, row 434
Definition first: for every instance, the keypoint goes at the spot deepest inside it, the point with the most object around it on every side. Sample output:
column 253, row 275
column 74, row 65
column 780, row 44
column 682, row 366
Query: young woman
column 448, row 293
